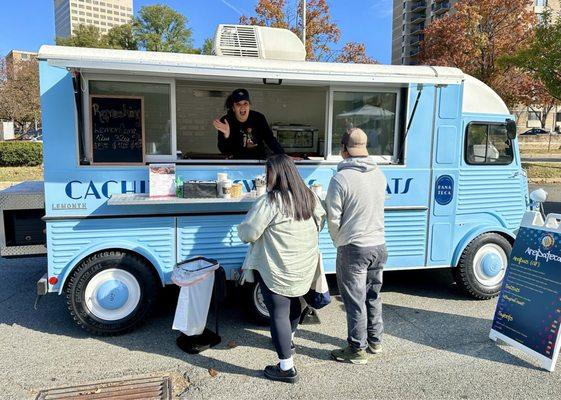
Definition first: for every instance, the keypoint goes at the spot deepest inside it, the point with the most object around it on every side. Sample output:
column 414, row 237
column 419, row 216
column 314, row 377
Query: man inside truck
column 244, row 133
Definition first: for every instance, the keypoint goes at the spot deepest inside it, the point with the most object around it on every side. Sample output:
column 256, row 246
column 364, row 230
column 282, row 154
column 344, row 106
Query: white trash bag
column 196, row 278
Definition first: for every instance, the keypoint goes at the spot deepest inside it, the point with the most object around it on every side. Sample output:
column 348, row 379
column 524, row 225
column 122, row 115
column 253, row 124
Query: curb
column 536, row 181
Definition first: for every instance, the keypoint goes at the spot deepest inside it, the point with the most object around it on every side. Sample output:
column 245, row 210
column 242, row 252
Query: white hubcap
column 259, row 302
column 481, row 275
column 130, row 302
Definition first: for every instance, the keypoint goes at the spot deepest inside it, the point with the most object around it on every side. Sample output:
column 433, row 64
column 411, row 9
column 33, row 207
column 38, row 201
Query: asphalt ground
column 435, row 346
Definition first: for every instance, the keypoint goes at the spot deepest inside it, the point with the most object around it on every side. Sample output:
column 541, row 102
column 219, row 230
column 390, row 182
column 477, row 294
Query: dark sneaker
column 374, row 348
column 275, row 373
column 350, row 355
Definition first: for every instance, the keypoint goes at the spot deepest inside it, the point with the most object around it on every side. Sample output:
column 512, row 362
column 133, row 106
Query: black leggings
column 285, row 314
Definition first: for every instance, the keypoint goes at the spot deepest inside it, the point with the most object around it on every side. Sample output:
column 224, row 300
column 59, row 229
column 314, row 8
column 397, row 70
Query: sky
column 28, row 24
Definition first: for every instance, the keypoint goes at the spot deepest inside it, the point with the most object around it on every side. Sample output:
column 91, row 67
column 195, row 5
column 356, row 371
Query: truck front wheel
column 111, row 292
column 481, row 269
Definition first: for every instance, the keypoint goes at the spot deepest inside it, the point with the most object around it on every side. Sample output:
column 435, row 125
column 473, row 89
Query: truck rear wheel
column 481, row 269
column 257, row 308
column 111, row 292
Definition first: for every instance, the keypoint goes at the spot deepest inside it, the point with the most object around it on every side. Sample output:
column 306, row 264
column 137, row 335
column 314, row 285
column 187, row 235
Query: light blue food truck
column 455, row 196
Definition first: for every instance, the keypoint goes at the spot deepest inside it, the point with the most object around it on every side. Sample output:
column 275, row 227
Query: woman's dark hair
column 288, row 190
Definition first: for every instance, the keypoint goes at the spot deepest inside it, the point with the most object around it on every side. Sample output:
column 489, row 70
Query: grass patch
column 18, row 174
column 542, row 170
column 553, row 151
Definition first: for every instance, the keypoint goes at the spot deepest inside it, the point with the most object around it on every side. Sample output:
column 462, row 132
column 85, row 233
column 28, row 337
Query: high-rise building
column 104, row 14
column 14, row 59
column 411, row 17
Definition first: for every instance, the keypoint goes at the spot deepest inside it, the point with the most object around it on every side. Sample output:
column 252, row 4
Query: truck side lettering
column 92, row 191
column 397, row 189
column 75, row 189
column 105, row 188
column 68, row 190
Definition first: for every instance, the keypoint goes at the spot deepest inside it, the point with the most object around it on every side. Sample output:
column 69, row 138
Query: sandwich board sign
column 528, row 313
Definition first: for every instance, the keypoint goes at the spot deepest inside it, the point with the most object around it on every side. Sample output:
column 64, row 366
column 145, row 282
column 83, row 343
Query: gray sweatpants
column 359, row 277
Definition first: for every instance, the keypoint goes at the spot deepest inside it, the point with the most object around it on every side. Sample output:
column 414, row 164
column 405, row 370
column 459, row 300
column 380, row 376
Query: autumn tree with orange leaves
column 321, row 32
column 476, row 35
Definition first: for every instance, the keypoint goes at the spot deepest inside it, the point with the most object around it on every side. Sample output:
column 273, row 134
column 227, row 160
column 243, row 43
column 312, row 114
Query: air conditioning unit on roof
column 258, row 42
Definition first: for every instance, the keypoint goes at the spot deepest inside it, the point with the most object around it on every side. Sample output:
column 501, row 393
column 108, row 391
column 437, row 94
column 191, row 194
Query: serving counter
column 187, row 205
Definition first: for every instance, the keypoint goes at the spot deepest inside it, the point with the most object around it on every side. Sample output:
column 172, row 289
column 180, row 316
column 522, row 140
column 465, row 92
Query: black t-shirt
column 252, row 139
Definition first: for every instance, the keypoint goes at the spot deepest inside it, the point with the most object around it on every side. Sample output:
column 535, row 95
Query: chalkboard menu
column 117, row 129
column 528, row 312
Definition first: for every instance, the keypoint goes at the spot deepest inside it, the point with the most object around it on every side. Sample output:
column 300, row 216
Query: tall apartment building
column 15, row 57
column 105, row 14
column 411, row 17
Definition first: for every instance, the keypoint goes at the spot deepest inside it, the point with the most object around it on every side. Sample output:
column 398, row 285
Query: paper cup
column 317, row 189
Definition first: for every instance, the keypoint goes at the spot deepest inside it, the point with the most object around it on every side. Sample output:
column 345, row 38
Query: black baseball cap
column 240, row 95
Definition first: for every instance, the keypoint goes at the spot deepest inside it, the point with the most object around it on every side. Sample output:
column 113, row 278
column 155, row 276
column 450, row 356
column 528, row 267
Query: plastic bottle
column 178, row 187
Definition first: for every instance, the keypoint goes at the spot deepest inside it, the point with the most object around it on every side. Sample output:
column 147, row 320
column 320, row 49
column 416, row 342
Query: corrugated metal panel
column 68, row 239
column 214, row 237
column 406, row 233
column 217, row 237
column 493, row 190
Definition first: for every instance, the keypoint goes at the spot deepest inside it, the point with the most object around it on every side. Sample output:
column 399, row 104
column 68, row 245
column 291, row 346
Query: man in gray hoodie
column 355, row 217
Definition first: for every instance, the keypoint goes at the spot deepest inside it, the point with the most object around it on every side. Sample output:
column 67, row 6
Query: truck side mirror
column 510, row 129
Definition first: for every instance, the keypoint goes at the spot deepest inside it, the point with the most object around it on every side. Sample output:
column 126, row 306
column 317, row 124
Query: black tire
column 257, row 312
column 465, row 274
column 93, row 265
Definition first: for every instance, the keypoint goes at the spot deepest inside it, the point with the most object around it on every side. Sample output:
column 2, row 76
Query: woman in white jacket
column 282, row 227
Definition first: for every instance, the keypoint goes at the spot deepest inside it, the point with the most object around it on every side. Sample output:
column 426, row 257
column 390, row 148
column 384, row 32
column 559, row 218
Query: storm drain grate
column 128, row 389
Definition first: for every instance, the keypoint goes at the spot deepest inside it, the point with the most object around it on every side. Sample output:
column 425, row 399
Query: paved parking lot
column 436, row 346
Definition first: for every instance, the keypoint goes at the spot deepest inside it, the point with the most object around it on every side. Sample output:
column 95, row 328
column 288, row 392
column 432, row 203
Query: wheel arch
column 131, row 248
column 471, row 235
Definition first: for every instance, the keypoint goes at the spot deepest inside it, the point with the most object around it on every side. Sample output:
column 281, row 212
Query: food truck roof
column 240, row 69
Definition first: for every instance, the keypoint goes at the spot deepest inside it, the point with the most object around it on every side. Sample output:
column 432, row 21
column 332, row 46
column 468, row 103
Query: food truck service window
column 295, row 114
column 146, row 130
column 376, row 113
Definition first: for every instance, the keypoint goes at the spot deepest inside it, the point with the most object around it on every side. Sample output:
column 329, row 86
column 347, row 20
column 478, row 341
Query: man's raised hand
column 223, row 127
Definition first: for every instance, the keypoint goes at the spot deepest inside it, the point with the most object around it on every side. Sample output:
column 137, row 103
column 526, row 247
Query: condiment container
column 226, row 189
column 237, row 190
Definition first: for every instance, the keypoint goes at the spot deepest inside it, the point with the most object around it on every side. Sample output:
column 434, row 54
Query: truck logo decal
column 444, row 191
